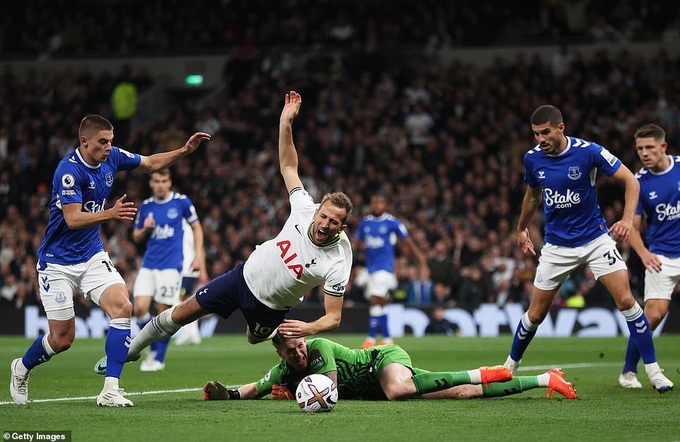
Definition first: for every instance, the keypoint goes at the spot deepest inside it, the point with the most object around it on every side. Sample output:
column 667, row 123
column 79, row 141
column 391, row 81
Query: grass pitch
column 169, row 405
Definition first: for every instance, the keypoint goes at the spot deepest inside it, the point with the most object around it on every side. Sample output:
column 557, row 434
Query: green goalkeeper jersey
column 357, row 368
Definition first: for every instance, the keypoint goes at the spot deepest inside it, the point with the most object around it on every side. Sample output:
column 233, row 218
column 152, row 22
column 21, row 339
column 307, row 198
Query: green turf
column 603, row 411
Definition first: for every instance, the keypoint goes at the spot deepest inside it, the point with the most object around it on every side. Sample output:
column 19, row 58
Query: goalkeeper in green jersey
column 383, row 372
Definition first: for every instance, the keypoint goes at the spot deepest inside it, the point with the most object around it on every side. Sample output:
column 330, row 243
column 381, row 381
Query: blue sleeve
column 67, row 183
column 125, row 160
column 401, row 230
column 529, row 177
column 604, row 160
column 360, row 231
column 189, row 211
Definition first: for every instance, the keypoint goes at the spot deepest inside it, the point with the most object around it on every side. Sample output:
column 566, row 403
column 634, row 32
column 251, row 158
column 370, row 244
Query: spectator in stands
column 439, row 325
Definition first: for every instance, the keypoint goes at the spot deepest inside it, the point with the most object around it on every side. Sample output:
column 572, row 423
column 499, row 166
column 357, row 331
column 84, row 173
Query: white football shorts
column 380, row 283
column 164, row 285
column 557, row 262
column 58, row 282
column 660, row 285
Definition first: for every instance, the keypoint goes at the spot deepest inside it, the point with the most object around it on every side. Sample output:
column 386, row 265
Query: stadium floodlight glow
column 194, row 80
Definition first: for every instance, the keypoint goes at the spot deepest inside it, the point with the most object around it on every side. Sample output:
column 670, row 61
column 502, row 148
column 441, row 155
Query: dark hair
column 339, row 199
column 92, row 124
column 651, row 131
column 547, row 114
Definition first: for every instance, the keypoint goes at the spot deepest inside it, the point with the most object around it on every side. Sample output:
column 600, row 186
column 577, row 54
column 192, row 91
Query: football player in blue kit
column 160, row 224
column 379, row 233
column 72, row 256
column 660, row 206
column 561, row 170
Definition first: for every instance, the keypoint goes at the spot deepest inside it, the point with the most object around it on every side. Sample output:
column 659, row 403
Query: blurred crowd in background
column 444, row 143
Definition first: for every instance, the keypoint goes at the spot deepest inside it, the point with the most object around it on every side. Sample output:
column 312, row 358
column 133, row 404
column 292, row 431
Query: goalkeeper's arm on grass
column 217, row 391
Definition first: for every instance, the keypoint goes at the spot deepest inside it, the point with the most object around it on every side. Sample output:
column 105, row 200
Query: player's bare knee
column 252, row 339
column 654, row 319
column 61, row 343
column 536, row 319
column 122, row 309
column 625, row 302
column 139, row 311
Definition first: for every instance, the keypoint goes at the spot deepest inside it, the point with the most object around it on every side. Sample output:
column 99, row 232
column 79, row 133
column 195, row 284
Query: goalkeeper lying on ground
column 384, row 372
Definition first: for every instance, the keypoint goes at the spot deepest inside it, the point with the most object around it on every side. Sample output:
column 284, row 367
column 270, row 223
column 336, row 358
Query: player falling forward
column 310, row 251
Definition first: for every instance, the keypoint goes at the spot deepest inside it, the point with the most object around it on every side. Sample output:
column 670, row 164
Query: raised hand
column 195, row 140
column 292, row 107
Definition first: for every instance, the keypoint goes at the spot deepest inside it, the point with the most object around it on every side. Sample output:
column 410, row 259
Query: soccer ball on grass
column 316, row 392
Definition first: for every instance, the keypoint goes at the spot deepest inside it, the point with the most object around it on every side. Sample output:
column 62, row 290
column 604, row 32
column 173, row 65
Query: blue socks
column 632, row 357
column 39, row 352
column 160, row 347
column 640, row 336
column 383, row 327
column 373, row 322
column 524, row 333
column 116, row 346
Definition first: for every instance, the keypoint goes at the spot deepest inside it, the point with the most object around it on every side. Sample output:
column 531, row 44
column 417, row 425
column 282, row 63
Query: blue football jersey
column 75, row 181
column 660, row 205
column 572, row 215
column 380, row 235
column 164, row 248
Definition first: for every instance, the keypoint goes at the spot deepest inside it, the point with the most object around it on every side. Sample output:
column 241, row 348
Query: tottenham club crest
column 574, row 173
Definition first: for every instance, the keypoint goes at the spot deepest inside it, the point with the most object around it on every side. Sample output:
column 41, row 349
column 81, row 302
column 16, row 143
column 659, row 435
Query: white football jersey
column 280, row 271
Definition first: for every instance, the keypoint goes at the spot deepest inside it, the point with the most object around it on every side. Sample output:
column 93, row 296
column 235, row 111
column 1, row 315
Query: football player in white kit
column 561, row 171
column 311, row 250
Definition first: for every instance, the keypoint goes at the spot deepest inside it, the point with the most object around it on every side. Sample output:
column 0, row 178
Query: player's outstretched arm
column 158, row 161
column 288, row 157
column 217, row 391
